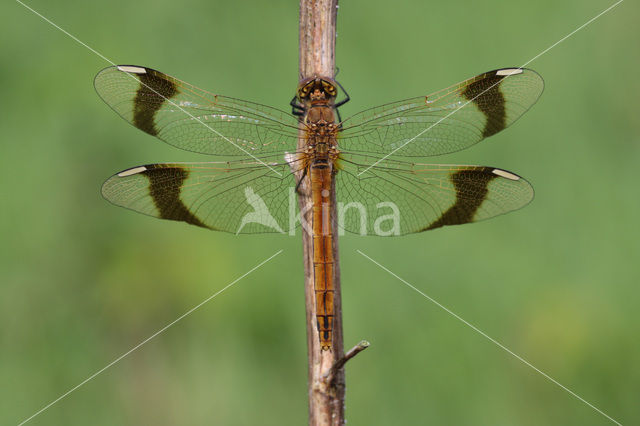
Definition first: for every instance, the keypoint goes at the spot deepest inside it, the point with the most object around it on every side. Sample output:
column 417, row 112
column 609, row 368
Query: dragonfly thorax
column 321, row 139
column 320, row 118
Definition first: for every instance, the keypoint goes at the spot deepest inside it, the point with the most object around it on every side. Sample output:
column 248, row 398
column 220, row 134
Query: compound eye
column 329, row 88
column 304, row 91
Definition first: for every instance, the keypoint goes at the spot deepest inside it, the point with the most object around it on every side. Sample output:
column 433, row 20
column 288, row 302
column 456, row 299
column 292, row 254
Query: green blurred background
column 83, row 282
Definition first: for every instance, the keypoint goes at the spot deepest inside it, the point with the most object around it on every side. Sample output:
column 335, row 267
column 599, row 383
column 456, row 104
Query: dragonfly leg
column 301, row 179
column 296, row 108
column 346, row 99
column 342, row 102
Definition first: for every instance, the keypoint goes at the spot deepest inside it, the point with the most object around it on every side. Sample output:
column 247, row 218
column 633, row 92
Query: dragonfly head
column 317, row 89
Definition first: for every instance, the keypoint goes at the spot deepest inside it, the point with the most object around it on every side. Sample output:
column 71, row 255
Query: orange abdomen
column 321, row 176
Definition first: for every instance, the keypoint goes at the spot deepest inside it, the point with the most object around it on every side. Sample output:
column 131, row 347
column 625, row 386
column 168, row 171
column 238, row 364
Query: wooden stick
column 330, row 375
column 317, row 58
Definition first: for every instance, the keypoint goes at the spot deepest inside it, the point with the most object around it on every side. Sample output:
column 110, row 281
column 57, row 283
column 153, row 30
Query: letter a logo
column 260, row 214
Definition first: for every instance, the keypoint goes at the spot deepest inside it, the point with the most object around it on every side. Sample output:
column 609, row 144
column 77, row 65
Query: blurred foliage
column 82, row 282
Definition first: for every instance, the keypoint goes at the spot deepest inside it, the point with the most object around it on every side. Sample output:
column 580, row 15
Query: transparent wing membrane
column 237, row 197
column 446, row 121
column 193, row 119
column 420, row 197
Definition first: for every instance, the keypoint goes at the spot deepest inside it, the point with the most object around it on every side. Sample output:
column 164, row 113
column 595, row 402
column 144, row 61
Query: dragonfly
column 370, row 160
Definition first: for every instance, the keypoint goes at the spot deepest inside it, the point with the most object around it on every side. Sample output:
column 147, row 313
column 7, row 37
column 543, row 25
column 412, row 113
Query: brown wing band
column 486, row 95
column 471, row 190
column 153, row 92
column 165, row 184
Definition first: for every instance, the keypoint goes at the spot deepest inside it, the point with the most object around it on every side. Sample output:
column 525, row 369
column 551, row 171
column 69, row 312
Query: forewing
column 191, row 118
column 237, row 197
column 403, row 198
column 446, row 121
